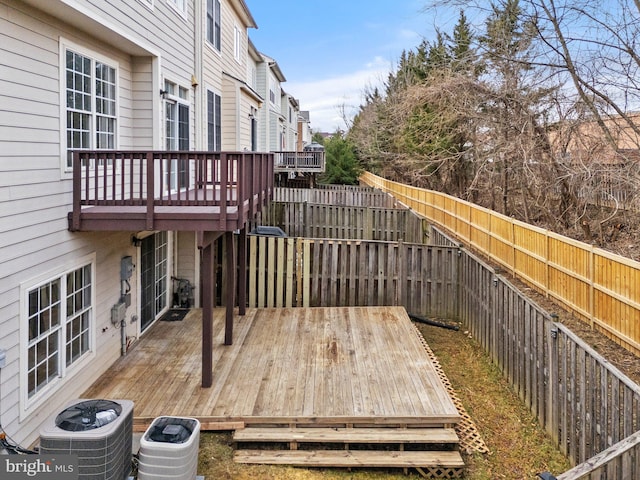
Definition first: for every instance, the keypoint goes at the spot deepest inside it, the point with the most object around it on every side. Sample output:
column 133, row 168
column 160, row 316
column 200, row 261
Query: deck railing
column 170, row 179
column 300, row 161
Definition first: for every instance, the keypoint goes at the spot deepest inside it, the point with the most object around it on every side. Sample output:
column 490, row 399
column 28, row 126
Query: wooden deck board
column 347, row 435
column 350, row 458
column 360, row 365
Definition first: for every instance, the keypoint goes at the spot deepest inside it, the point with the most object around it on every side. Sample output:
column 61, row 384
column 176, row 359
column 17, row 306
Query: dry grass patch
column 519, row 446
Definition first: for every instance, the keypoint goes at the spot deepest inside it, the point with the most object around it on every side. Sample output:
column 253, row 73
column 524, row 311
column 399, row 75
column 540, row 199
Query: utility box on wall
column 118, row 312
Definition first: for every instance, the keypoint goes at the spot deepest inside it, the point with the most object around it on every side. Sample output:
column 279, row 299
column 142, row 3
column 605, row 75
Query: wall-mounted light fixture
column 163, row 93
column 194, row 81
column 135, row 241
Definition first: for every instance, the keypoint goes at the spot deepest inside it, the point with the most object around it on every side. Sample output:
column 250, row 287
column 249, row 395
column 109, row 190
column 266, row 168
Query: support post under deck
column 207, row 315
column 231, row 287
column 242, row 271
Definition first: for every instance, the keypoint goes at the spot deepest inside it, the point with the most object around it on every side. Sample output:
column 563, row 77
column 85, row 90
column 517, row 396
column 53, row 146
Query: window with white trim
column 214, row 122
column 60, row 319
column 180, row 5
column 91, row 108
column 176, row 100
column 214, row 25
column 177, row 131
column 237, row 43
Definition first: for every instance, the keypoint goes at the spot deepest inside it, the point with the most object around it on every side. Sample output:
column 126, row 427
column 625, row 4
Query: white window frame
column 66, row 373
column 176, row 96
column 180, row 6
column 94, row 57
column 147, row 3
column 237, row 43
column 218, row 127
column 210, row 25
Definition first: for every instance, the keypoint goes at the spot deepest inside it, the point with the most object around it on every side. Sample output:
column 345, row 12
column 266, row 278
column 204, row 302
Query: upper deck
column 300, row 162
column 168, row 190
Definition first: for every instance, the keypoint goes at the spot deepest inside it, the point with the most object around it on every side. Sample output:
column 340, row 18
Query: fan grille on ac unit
column 104, row 452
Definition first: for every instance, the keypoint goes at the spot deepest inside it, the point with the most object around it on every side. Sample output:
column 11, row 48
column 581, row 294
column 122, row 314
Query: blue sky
column 331, row 51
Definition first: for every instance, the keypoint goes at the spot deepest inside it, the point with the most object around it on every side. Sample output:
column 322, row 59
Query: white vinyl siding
column 144, row 46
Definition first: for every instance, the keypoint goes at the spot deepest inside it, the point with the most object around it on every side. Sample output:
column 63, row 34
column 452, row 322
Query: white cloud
column 325, row 98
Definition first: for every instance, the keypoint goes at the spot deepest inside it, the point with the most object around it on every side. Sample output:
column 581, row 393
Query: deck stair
column 433, row 451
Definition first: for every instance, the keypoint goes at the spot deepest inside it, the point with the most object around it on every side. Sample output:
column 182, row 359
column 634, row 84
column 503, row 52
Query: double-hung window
column 91, row 107
column 237, row 44
column 59, row 325
column 214, row 122
column 176, row 101
column 214, row 24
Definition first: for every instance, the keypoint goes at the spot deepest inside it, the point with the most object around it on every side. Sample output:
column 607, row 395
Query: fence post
column 306, row 273
column 305, row 215
column 513, row 248
column 546, row 264
column 592, row 280
column 457, row 305
column 552, row 364
column 402, row 290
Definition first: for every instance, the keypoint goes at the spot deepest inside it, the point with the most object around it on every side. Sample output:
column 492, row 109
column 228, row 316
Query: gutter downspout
column 123, row 337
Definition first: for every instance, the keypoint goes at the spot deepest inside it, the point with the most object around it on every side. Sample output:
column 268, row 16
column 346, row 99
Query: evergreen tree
column 342, row 166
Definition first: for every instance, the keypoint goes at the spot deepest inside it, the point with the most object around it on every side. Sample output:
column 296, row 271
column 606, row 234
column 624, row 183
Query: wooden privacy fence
column 290, row 272
column 598, row 286
column 313, row 220
column 590, row 408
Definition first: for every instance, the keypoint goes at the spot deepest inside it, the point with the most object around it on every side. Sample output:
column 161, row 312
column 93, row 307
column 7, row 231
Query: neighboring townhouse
column 231, row 102
column 84, row 271
column 305, row 135
column 254, row 63
column 291, row 109
column 271, row 128
column 585, row 141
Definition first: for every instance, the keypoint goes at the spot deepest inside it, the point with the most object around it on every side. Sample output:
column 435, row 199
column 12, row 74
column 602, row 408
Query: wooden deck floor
column 287, row 366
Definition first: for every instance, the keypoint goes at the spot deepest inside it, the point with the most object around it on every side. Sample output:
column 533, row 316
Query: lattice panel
column 470, row 439
column 440, row 472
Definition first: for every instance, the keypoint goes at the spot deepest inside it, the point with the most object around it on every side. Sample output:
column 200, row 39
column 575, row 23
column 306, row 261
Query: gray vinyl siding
column 35, row 193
